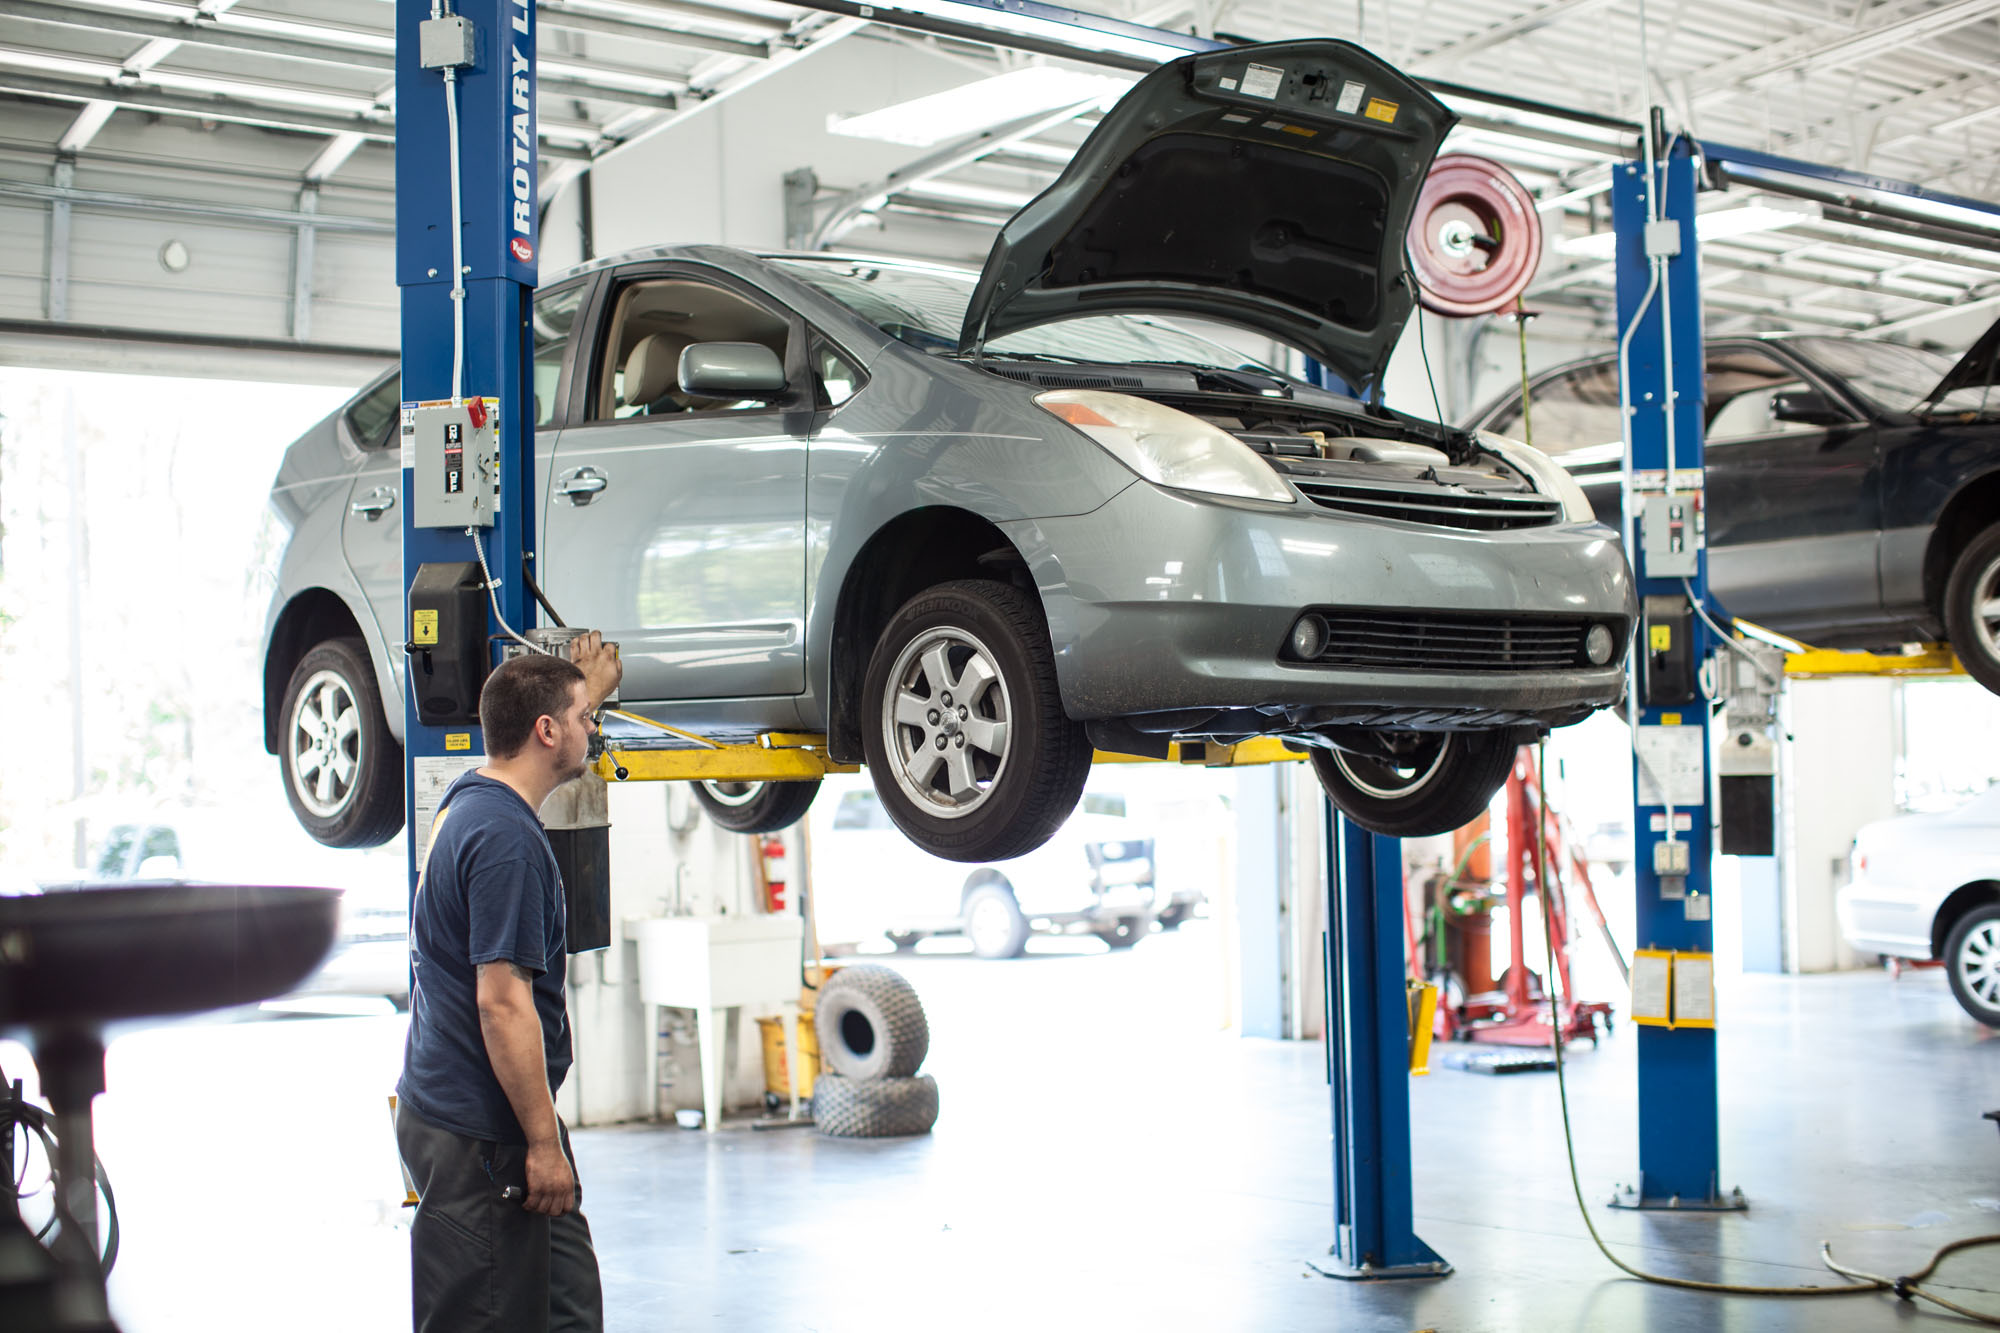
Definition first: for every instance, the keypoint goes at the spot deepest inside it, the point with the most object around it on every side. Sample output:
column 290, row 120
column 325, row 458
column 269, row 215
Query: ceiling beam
column 1812, row 50
column 383, row 130
column 205, row 33
column 572, row 20
column 1518, row 26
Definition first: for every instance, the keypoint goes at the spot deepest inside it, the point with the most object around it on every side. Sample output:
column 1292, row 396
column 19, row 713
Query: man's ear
column 545, row 729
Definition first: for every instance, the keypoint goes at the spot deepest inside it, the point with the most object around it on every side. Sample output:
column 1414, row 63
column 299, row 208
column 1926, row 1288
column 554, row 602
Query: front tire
column 1972, row 961
column 965, row 734
column 343, row 769
column 756, row 807
column 1431, row 783
column 1972, row 608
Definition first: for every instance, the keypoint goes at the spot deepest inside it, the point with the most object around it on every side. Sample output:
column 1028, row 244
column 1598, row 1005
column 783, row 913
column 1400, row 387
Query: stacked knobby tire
column 872, row 1036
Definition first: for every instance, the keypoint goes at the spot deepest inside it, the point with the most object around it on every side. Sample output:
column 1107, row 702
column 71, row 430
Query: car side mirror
column 1806, row 407
column 731, row 370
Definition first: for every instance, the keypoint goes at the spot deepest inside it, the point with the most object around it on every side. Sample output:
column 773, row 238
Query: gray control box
column 1670, row 534
column 455, row 465
column 445, row 43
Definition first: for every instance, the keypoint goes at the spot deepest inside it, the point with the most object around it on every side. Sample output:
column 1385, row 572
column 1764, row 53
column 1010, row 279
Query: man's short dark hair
column 520, row 691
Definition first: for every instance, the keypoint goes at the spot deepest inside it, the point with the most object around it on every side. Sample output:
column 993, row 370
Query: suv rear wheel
column 1424, row 783
column 343, row 770
column 756, row 807
column 1972, row 608
column 964, row 729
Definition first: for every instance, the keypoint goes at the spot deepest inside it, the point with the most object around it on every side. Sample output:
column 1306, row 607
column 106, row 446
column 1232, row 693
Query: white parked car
column 1928, row 887
column 1094, row 876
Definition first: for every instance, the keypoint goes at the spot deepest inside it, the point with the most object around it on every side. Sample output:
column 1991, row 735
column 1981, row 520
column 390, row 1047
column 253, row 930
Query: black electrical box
column 1669, row 642
column 447, row 641
column 583, row 855
column 1749, row 825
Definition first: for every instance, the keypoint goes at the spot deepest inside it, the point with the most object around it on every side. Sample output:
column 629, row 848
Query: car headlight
column 1167, row 446
column 1548, row 476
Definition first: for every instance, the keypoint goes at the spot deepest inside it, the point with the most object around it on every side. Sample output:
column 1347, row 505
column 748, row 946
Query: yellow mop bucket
column 775, row 1076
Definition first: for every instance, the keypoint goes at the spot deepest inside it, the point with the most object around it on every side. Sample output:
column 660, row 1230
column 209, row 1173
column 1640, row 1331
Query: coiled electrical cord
column 1905, row 1287
column 18, row 1114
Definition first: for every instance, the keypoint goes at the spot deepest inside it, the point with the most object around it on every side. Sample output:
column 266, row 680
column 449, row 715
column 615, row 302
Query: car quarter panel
column 926, row 433
column 1168, row 600
column 1925, row 468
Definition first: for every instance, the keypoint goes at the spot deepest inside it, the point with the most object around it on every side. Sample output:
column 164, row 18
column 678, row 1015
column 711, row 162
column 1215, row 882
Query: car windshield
column 926, row 308
column 1891, row 375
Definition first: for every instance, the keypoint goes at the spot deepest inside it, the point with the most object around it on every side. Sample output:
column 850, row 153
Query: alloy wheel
column 989, row 925
column 326, row 744
column 947, row 722
column 1392, row 778
column 1978, row 963
column 1986, row 608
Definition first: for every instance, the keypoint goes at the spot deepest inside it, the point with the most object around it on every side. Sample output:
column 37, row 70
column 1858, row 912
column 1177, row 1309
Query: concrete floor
column 1105, row 1159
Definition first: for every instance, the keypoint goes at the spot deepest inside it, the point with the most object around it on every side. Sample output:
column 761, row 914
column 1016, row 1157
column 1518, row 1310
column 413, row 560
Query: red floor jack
column 1517, row 1013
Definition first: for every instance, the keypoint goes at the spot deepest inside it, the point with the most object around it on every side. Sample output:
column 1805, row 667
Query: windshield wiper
column 1239, row 377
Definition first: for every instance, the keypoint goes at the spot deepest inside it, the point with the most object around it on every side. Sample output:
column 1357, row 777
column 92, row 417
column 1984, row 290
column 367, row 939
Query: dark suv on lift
column 1853, row 487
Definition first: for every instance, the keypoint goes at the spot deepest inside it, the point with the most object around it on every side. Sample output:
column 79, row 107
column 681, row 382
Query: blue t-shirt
column 489, row 892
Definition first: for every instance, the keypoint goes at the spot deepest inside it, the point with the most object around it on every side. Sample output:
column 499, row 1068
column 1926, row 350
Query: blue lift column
column 494, row 105
column 1368, row 1061
column 1660, row 320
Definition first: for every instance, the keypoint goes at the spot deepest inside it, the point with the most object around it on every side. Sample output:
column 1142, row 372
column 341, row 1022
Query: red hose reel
column 1476, row 240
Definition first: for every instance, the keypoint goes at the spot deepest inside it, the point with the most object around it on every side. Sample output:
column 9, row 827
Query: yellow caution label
column 1660, row 636
column 1670, row 719
column 458, row 740
column 1300, row 130
column 423, row 627
column 1381, row 110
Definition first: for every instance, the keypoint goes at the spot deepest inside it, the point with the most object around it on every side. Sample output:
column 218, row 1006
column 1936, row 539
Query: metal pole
column 1368, row 1060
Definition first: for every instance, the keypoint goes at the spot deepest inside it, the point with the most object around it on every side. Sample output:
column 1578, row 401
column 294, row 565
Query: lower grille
column 1436, row 506
column 1435, row 641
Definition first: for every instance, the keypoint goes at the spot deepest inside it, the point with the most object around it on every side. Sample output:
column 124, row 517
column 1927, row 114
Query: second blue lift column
column 1660, row 322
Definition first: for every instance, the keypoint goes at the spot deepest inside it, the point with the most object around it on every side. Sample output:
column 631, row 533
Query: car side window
column 1577, row 410
column 116, row 851
column 835, row 378
column 653, row 321
column 373, row 417
column 1741, row 389
column 554, row 320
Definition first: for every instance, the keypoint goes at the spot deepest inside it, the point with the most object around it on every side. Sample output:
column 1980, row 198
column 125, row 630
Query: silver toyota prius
column 973, row 526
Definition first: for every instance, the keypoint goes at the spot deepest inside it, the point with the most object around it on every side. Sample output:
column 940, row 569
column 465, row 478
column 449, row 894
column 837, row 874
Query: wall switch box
column 455, row 466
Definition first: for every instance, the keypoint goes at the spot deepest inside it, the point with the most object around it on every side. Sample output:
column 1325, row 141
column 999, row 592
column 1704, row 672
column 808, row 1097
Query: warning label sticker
column 433, row 776
column 457, row 740
column 1351, row 94
column 1262, row 81
column 424, row 628
column 1382, row 111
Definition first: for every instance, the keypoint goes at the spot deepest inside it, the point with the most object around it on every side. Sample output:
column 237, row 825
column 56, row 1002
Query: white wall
column 1839, row 773
column 667, row 859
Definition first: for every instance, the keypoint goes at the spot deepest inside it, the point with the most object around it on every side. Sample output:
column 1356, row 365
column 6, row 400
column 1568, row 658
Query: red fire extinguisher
column 773, row 871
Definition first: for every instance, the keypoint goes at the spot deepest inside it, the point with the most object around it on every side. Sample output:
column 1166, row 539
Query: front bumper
column 1162, row 601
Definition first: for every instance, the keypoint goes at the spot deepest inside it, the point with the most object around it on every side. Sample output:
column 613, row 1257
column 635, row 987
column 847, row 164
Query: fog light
column 1597, row 645
column 1308, row 637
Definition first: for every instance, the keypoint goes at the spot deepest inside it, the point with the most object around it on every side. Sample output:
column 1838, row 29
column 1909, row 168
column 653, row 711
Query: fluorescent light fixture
column 960, row 192
column 958, row 112
column 1071, row 34
column 1721, row 224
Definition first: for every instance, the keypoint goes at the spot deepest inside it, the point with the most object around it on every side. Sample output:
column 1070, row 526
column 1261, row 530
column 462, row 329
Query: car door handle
column 375, row 503
column 582, row 485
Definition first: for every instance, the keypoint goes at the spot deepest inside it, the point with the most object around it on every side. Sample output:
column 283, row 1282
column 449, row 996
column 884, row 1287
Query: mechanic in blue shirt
column 498, row 1242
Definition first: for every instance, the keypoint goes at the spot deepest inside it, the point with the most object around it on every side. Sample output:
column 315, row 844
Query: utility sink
column 714, row 965
column 717, row 962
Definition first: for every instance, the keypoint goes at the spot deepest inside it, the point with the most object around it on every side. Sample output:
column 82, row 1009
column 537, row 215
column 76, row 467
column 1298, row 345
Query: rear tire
column 1972, row 608
column 1128, row 931
column 756, row 807
column 343, row 769
column 964, row 730
column 1444, row 781
column 1972, row 961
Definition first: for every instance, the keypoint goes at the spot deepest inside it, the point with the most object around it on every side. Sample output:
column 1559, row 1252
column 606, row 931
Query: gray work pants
column 483, row 1264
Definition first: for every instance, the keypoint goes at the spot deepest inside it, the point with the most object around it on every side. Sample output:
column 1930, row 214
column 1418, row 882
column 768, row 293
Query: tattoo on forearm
column 521, row 972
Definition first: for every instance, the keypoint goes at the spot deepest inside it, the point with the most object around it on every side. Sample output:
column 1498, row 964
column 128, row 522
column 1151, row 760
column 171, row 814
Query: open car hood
column 1268, row 187
column 1979, row 368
